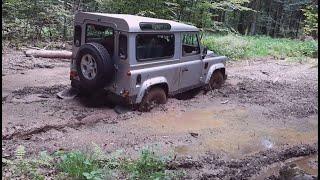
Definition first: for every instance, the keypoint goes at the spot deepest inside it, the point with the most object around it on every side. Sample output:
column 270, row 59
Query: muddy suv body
column 132, row 56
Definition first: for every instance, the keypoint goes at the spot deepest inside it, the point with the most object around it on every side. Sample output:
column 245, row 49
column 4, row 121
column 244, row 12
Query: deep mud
column 265, row 113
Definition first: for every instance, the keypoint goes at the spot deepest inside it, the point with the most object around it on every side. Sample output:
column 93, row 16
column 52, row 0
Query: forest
column 52, row 20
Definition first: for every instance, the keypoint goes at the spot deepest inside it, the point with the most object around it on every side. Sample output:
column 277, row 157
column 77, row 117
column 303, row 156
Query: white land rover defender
column 140, row 60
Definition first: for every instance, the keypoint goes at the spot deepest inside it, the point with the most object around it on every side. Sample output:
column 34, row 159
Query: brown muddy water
column 227, row 129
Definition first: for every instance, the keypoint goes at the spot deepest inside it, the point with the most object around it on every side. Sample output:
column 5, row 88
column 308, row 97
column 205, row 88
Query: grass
column 93, row 165
column 148, row 166
column 80, row 166
column 240, row 47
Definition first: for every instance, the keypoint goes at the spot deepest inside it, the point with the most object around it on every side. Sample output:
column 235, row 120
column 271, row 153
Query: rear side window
column 154, row 46
column 123, row 46
column 190, row 44
column 100, row 34
column 77, row 36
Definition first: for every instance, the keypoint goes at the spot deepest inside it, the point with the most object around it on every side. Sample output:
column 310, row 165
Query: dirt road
column 266, row 113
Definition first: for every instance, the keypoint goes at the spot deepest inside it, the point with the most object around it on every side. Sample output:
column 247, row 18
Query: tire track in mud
column 211, row 166
column 51, row 90
column 86, row 121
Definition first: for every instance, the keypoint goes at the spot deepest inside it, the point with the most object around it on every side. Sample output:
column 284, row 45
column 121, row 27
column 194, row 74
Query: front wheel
column 216, row 80
column 153, row 97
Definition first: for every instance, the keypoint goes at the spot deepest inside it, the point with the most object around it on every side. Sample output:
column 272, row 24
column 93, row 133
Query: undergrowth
column 94, row 165
column 239, row 47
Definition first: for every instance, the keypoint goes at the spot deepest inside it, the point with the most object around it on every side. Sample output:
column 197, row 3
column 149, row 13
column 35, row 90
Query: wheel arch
column 151, row 83
column 215, row 67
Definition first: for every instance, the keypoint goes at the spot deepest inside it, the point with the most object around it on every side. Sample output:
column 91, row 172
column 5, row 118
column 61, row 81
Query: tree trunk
column 254, row 18
column 49, row 53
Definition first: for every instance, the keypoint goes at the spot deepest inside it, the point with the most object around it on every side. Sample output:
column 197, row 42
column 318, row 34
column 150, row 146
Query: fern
column 20, row 152
column 98, row 153
column 44, row 159
column 6, row 161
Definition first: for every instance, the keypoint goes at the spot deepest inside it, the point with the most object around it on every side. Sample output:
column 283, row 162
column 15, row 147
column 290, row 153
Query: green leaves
column 239, row 47
column 79, row 165
column 311, row 20
column 26, row 21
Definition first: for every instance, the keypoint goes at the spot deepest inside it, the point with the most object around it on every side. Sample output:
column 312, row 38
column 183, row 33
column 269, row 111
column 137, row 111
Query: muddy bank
column 284, row 98
column 212, row 166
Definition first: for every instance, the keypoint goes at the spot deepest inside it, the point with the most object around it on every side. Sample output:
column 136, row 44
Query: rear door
column 191, row 61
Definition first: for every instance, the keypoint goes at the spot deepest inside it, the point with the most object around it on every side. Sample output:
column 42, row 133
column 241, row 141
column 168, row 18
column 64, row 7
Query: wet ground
column 264, row 117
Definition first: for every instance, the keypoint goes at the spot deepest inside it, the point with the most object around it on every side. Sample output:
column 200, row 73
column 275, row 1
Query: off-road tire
column 153, row 96
column 216, row 80
column 105, row 67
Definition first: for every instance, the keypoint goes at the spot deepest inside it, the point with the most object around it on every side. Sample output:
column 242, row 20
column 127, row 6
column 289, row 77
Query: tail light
column 129, row 73
column 73, row 74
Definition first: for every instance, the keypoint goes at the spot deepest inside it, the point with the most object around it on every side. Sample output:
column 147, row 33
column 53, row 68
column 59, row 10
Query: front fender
column 212, row 69
column 148, row 83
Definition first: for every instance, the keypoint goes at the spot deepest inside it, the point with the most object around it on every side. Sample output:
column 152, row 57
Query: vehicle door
column 191, row 60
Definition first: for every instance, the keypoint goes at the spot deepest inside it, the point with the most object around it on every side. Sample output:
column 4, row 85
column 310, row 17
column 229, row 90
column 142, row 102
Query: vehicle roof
column 130, row 23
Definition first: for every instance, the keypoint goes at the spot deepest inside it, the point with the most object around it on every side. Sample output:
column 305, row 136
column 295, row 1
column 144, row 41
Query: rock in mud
column 194, row 134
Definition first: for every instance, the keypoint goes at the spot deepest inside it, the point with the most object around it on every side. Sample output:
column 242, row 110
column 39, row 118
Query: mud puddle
column 192, row 121
column 229, row 129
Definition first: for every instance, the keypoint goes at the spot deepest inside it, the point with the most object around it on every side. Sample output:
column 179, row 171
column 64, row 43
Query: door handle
column 185, row 69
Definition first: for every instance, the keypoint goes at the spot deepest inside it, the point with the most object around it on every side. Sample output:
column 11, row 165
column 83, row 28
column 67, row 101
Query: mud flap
column 68, row 93
column 121, row 109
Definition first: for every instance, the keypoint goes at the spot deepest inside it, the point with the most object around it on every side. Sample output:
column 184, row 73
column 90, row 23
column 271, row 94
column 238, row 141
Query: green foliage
column 36, row 20
column 93, row 165
column 311, row 20
column 20, row 152
column 238, row 47
column 80, row 166
column 27, row 168
column 147, row 166
column 26, row 21
column 232, row 46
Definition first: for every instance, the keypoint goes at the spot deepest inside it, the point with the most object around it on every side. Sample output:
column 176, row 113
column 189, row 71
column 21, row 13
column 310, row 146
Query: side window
column 100, row 34
column 123, row 45
column 190, row 44
column 77, row 36
column 154, row 46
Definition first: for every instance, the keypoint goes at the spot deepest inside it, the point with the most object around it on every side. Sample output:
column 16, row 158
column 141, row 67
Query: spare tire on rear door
column 94, row 66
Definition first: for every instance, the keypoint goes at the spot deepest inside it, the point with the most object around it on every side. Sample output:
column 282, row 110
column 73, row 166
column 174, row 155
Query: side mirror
column 204, row 52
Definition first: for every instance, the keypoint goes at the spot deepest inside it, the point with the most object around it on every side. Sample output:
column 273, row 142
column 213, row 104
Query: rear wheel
column 94, row 66
column 153, row 97
column 216, row 80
